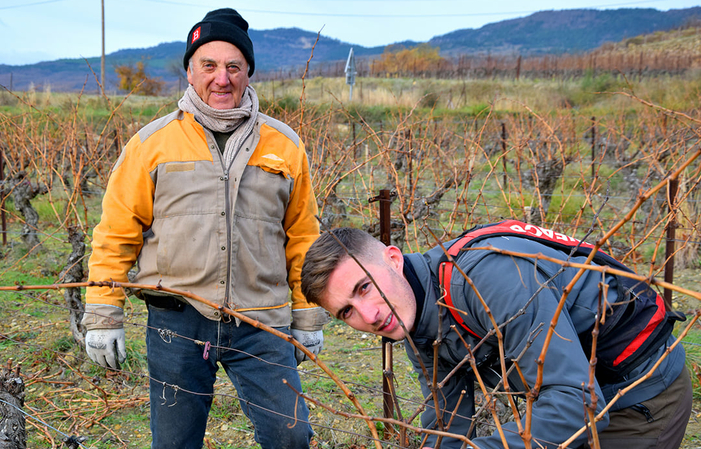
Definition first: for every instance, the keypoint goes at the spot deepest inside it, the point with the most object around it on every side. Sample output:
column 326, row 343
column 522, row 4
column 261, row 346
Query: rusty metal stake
column 385, row 199
column 670, row 241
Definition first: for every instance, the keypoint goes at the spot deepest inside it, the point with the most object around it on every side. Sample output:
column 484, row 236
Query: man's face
column 352, row 297
column 218, row 72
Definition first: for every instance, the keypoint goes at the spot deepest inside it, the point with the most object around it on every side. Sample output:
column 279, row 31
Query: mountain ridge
column 586, row 29
column 288, row 49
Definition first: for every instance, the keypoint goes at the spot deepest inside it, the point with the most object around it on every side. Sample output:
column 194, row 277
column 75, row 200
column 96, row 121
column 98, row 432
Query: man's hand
column 312, row 340
column 106, row 347
column 307, row 325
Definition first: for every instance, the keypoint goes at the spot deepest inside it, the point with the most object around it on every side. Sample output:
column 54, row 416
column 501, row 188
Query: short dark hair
column 326, row 253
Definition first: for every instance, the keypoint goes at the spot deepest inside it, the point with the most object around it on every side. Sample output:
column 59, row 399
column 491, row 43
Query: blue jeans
column 255, row 361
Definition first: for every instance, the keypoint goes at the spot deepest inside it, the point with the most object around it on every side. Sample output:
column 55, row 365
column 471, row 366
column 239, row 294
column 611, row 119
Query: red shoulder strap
column 445, row 272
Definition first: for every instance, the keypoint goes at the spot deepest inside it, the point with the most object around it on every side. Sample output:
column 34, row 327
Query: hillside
column 686, row 40
column 276, row 49
column 287, row 49
column 566, row 31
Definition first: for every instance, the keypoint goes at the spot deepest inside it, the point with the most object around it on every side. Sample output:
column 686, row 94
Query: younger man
column 522, row 294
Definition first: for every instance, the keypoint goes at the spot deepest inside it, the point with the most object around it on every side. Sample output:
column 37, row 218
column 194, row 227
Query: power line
column 30, row 4
column 396, row 16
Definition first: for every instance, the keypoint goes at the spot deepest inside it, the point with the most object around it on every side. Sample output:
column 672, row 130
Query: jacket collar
column 420, row 279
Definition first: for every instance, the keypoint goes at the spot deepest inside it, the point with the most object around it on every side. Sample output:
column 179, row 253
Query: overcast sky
column 45, row 30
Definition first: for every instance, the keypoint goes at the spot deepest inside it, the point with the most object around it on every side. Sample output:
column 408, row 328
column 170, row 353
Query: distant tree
column 134, row 78
column 404, row 61
column 175, row 67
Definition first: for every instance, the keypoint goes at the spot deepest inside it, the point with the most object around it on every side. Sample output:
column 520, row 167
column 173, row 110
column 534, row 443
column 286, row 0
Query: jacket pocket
column 264, row 193
column 272, row 163
column 188, row 246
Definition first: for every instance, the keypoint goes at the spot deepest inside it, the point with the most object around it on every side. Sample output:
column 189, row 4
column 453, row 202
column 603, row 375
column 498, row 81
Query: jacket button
column 223, row 248
column 221, row 282
column 221, row 178
column 223, row 213
column 216, row 313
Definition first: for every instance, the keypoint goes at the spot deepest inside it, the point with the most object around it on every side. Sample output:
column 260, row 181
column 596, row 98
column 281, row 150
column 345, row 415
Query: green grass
column 383, row 98
column 692, row 347
column 63, row 344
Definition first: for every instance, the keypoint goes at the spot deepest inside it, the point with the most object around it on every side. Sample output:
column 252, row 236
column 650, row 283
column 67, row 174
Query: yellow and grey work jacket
column 234, row 236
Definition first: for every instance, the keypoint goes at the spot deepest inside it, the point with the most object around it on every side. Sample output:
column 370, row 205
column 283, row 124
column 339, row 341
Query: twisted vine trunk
column 13, row 434
column 73, row 272
column 544, row 177
column 22, row 193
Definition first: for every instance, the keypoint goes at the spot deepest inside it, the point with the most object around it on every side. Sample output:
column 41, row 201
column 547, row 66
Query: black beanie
column 221, row 25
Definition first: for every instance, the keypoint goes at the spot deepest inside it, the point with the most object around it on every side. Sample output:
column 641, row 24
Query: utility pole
column 102, row 59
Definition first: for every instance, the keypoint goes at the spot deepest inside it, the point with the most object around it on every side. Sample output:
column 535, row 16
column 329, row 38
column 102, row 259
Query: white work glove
column 312, row 340
column 106, row 347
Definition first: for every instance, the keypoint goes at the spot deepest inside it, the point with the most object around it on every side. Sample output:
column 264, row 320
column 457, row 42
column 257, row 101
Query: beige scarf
column 240, row 120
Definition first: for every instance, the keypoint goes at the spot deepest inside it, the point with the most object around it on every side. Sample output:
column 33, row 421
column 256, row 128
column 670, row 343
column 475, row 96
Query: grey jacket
column 507, row 284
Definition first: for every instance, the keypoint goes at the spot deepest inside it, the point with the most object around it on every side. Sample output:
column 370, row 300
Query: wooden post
column 2, row 198
column 664, row 126
column 503, row 153
column 410, row 161
column 354, row 139
column 593, row 147
column 673, row 186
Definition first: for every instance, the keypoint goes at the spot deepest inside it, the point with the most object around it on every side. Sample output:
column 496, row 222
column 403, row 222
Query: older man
column 216, row 199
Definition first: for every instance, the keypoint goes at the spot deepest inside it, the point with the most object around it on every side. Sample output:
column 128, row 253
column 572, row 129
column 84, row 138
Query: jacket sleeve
column 301, row 227
column 559, row 409
column 127, row 211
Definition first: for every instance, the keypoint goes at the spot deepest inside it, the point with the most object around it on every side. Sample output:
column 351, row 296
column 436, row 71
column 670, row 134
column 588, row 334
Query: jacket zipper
column 228, row 218
column 227, row 214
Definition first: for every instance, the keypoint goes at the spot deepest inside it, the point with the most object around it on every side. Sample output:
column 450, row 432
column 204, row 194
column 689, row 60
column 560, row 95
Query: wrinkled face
column 218, row 72
column 352, row 297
